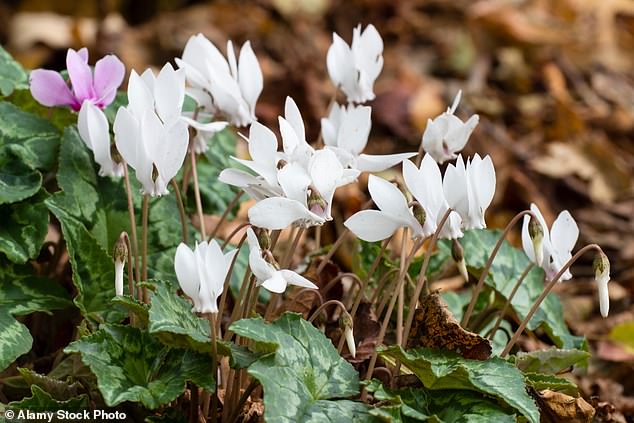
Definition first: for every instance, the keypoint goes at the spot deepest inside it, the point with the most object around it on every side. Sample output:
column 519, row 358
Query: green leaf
column 418, row 404
column 141, row 310
column 444, row 370
column 305, row 376
column 57, row 389
column 17, row 181
column 23, row 293
column 15, row 339
column 12, row 74
column 43, row 401
column 60, row 117
column 92, row 266
column 31, row 138
column 24, row 227
column 507, row 267
column 172, row 320
column 132, row 365
column 76, row 177
column 540, row 381
column 551, row 361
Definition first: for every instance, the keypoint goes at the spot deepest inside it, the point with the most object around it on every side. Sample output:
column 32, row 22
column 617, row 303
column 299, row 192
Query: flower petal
column 276, row 283
column 278, row 213
column 372, row 225
column 186, row 272
column 94, row 130
column 296, row 279
column 355, row 129
column 109, row 74
column 80, row 76
column 379, row 163
column 169, row 93
column 249, row 76
column 50, row 89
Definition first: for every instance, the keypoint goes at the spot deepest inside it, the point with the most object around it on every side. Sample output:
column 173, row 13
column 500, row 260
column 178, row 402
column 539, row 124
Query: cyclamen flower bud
column 316, row 203
column 345, row 321
column 419, row 213
column 601, row 266
column 120, row 255
column 536, row 233
column 264, row 239
column 457, row 253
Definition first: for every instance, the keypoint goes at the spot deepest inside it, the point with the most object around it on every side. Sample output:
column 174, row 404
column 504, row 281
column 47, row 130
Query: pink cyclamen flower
column 99, row 87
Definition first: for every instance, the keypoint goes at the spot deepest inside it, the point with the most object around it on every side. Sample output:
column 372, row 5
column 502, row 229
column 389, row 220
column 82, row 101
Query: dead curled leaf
column 556, row 407
column 435, row 327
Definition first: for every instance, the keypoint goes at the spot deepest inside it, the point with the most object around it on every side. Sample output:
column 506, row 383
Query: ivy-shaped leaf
column 40, row 400
column 507, row 267
column 17, row 181
column 31, row 138
column 305, row 376
column 15, row 339
column 540, row 382
column 132, row 365
column 12, row 74
column 418, row 404
column 551, row 361
column 24, row 227
column 444, row 370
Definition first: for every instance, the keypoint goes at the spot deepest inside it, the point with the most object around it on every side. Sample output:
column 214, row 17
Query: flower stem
column 401, row 290
column 181, row 210
column 226, row 288
column 214, row 367
column 326, row 304
column 144, row 222
column 199, row 204
column 422, row 278
column 543, row 295
column 487, row 266
column 507, row 304
column 135, row 240
column 228, row 209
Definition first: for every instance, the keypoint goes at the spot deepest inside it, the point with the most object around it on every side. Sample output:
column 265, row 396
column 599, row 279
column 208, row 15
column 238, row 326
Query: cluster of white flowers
column 294, row 184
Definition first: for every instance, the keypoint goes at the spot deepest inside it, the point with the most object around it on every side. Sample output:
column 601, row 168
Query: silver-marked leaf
column 132, row 365
column 24, row 227
column 17, row 181
column 15, row 339
column 40, row 400
column 12, row 74
column 540, row 381
column 551, row 361
column 305, row 377
column 443, row 370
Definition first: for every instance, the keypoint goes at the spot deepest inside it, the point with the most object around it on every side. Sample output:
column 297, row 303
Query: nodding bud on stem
column 457, row 253
column 601, row 267
column 345, row 322
column 264, row 239
column 536, row 233
column 316, row 202
column 120, row 255
column 419, row 213
column 114, row 153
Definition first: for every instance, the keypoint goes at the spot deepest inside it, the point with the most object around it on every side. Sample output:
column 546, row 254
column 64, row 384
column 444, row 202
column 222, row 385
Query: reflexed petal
column 564, row 233
column 527, row 243
column 294, row 118
column 387, row 197
column 127, row 135
column 379, row 163
column 455, row 188
column 372, row 225
column 260, row 268
column 109, row 74
column 249, row 76
column 276, row 283
column 252, row 240
column 326, row 173
column 186, row 272
column 355, row 129
column 483, row 183
column 80, row 76
column 339, row 60
column 169, row 93
column 262, row 144
column 278, row 213
column 50, row 89
column 171, row 153
column 140, row 97
column 94, row 130
column 294, row 181
column 211, row 127
column 296, row 279
column 456, row 102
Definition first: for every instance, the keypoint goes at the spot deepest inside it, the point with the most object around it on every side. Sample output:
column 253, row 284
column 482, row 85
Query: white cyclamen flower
column 447, row 135
column 469, row 190
column 355, row 68
column 95, row 132
column 120, row 256
column 201, row 273
column 602, row 276
column 425, row 184
column 150, row 134
column 267, row 275
column 557, row 244
column 393, row 213
column 346, row 131
column 227, row 86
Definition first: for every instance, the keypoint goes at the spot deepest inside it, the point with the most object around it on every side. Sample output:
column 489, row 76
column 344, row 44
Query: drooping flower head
column 602, row 277
column 268, row 276
column 99, row 87
column 346, row 131
column 355, row 67
column 469, row 189
column 222, row 86
column 201, row 273
column 150, row 133
column 447, row 135
column 557, row 244
column 95, row 132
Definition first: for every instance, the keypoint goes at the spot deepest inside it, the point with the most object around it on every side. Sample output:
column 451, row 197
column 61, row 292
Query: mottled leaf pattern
column 540, row 381
column 23, row 229
column 17, row 181
column 304, row 375
column 132, row 365
column 444, row 370
column 12, row 74
column 40, row 400
column 15, row 339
